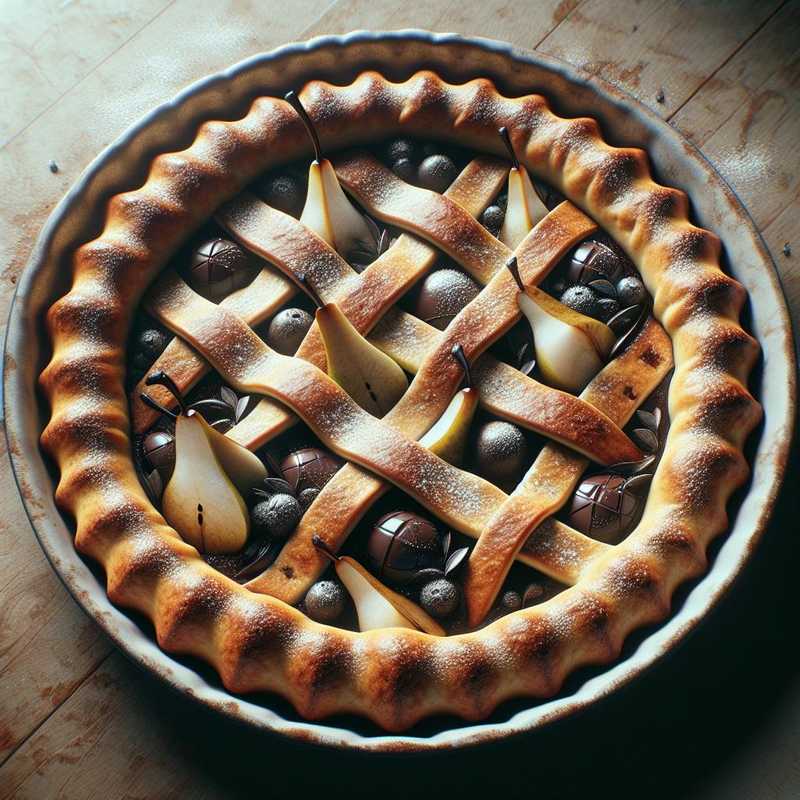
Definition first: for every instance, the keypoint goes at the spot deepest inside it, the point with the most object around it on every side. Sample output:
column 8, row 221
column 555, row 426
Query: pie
column 416, row 429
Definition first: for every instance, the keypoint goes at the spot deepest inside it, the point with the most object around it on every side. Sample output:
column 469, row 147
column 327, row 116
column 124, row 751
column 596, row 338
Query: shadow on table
column 668, row 734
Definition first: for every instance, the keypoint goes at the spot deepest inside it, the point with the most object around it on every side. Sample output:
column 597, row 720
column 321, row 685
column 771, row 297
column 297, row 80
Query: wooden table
column 718, row 719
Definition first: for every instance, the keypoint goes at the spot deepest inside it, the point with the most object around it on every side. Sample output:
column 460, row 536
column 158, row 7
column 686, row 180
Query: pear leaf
column 241, row 408
column 646, row 439
column 632, row 467
column 154, row 485
column 455, row 560
column 229, row 396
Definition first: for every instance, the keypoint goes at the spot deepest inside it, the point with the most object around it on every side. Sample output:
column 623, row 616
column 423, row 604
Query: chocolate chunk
column 219, row 267
column 309, row 467
column 401, row 544
column 288, row 329
column 443, row 294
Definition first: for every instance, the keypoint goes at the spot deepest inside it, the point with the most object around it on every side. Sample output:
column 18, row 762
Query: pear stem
column 294, row 101
column 513, row 268
column 156, row 406
column 506, row 137
column 460, row 356
column 304, row 281
column 322, row 546
column 161, row 378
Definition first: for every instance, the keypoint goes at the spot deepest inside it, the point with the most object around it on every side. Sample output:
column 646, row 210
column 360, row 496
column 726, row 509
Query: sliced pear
column 523, row 210
column 567, row 353
column 329, row 213
column 602, row 337
column 377, row 606
column 200, row 501
column 448, row 436
column 370, row 377
column 245, row 469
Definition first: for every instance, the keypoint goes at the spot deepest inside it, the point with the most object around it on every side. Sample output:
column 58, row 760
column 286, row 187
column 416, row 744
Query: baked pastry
column 364, row 559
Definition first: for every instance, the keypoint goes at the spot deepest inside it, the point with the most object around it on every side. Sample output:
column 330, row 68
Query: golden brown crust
column 398, row 677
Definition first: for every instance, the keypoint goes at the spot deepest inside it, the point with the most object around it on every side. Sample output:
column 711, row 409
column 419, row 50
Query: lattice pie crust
column 255, row 640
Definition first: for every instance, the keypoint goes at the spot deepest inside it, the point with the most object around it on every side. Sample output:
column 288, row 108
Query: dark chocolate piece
column 401, row 544
column 158, row 448
column 311, row 467
column 325, row 601
column 288, row 329
column 501, row 453
column 437, row 172
column 219, row 267
column 592, row 260
column 605, row 506
column 440, row 598
column 284, row 192
column 443, row 294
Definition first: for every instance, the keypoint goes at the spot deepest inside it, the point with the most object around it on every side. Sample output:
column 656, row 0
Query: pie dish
column 397, row 677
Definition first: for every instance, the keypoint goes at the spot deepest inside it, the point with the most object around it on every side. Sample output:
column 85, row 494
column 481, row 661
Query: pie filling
column 395, row 562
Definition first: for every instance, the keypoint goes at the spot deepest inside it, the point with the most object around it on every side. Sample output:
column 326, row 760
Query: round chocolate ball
column 284, row 192
column 400, row 148
column 511, row 601
column 311, row 467
column 307, row 496
column 325, row 601
column 150, row 344
column 440, row 598
column 605, row 506
column 631, row 291
column 501, row 452
column 219, row 267
column 582, row 299
column 158, row 448
column 437, row 172
column 592, row 260
column 443, row 294
column 276, row 516
column 492, row 218
column 288, row 329
column 401, row 544
column 405, row 169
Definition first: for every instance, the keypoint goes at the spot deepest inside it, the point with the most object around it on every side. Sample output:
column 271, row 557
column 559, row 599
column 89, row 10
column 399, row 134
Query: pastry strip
column 562, row 553
column 282, row 240
column 555, row 472
column 548, row 411
column 461, row 499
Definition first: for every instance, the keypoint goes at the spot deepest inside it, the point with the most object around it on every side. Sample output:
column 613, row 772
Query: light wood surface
column 78, row 721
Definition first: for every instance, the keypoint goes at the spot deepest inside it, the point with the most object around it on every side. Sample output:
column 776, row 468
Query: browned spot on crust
column 650, row 357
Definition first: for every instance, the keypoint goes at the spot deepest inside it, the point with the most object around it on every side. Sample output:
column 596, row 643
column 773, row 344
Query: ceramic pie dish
column 399, row 677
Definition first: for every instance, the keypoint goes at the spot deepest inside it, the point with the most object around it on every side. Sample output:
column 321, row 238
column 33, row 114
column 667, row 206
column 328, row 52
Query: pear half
column 369, row 376
column 377, row 606
column 329, row 213
column 448, row 435
column 523, row 210
column 571, row 348
column 200, row 501
column 245, row 469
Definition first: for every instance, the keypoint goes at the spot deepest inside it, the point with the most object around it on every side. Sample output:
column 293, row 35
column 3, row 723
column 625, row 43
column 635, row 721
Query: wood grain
column 49, row 47
column 653, row 47
column 79, row 724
